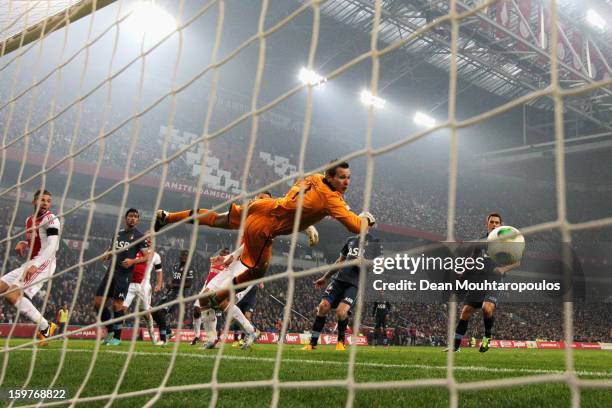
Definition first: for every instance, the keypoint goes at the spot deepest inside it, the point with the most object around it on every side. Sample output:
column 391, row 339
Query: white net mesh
column 97, row 108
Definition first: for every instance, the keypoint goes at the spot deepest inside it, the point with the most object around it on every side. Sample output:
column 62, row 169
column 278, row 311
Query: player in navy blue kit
column 482, row 299
column 172, row 293
column 380, row 312
column 341, row 293
column 122, row 274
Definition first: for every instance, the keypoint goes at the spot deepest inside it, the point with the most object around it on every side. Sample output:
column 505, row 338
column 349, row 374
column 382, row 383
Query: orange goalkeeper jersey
column 319, row 201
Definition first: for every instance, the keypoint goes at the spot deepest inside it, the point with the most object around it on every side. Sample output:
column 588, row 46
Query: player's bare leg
column 317, row 327
column 466, row 312
column 16, row 298
column 488, row 309
column 205, row 217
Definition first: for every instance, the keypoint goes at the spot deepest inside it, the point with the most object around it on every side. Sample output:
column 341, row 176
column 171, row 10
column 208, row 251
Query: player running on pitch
column 40, row 246
column 482, row 299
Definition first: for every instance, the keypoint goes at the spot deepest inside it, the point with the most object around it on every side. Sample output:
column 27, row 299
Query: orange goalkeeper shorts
column 258, row 230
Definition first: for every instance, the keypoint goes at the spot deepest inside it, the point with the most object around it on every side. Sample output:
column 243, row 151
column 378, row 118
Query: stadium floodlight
column 371, row 100
column 152, row 21
column 309, row 77
column 595, row 19
column 424, row 119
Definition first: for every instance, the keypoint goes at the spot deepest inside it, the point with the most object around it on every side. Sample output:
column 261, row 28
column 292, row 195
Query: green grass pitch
column 194, row 365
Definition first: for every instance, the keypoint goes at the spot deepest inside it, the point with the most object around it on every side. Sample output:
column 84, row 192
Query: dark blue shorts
column 118, row 288
column 381, row 322
column 340, row 292
column 477, row 298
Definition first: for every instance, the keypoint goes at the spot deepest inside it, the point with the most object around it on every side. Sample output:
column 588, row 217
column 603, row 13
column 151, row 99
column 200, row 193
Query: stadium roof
column 489, row 54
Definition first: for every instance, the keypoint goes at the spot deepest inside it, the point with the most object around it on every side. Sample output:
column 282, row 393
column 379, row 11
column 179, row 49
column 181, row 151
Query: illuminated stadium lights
column 309, row 77
column 151, row 21
column 423, row 119
column 595, row 19
column 368, row 99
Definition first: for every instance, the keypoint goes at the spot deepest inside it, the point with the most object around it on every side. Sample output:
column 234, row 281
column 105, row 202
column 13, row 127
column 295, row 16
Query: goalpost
column 42, row 125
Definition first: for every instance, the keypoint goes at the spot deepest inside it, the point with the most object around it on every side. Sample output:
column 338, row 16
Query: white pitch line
column 362, row 364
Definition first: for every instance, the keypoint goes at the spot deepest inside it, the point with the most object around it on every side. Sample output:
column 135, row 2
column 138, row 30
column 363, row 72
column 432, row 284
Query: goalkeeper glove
column 369, row 217
column 313, row 235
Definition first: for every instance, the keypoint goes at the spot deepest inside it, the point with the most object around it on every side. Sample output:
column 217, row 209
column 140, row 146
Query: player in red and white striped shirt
column 40, row 246
column 217, row 266
column 140, row 286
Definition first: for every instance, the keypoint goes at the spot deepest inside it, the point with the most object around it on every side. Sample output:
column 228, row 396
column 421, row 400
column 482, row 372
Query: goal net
column 112, row 105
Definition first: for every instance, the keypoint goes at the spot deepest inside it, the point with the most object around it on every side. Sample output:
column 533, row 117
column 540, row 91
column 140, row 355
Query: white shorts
column 223, row 280
column 36, row 281
column 140, row 290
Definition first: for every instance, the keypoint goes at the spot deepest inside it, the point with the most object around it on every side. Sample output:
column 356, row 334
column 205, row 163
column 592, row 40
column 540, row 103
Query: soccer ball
column 505, row 245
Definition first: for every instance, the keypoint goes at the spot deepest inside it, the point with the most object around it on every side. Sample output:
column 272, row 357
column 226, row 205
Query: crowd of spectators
column 513, row 321
column 408, row 201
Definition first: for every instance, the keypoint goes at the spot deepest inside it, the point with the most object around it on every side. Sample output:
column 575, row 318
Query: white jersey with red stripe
column 36, row 232
column 142, row 272
column 140, row 287
column 214, row 271
column 43, row 237
column 221, row 276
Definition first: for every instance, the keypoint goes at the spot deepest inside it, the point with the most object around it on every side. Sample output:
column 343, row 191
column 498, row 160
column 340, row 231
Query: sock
column 27, row 308
column 239, row 317
column 342, row 325
column 160, row 319
column 197, row 326
column 460, row 331
column 150, row 328
column 106, row 316
column 317, row 327
column 177, row 216
column 209, row 318
column 205, row 217
column 488, row 325
column 118, row 325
